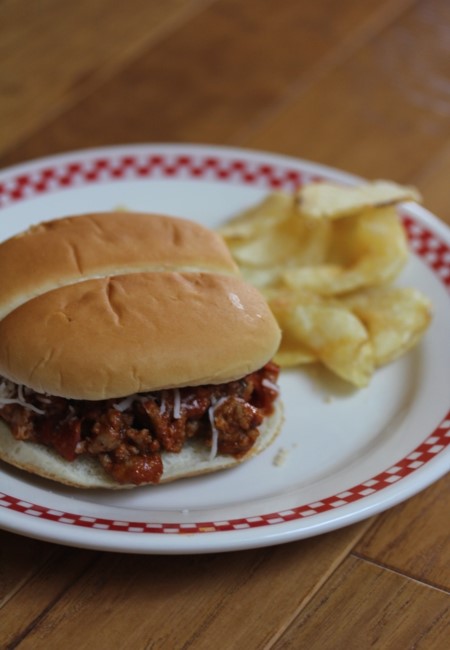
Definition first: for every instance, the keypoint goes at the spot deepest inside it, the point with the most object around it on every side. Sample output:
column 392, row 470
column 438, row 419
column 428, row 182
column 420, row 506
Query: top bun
column 122, row 303
column 77, row 248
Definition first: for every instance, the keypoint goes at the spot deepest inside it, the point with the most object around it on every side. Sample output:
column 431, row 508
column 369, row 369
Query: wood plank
column 434, row 183
column 195, row 602
column 365, row 606
column 19, row 559
column 54, row 52
column 379, row 114
column 34, row 583
column 414, row 537
column 215, row 75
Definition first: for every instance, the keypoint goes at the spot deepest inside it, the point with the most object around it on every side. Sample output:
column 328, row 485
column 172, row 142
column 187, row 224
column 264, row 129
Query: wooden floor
column 364, row 86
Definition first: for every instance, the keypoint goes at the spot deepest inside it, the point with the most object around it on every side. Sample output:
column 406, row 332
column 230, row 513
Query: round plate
column 343, row 454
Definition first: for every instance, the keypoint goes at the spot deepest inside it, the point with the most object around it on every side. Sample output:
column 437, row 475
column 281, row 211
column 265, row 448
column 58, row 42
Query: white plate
column 347, row 454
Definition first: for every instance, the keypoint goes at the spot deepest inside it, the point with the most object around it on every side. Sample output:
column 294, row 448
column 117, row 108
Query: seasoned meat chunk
column 236, row 422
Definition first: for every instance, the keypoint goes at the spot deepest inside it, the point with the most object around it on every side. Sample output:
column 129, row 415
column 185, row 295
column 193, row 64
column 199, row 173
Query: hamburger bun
column 111, row 337
column 73, row 249
column 124, row 303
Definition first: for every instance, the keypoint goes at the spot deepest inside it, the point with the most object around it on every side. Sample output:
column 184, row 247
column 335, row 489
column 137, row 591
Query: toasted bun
column 85, row 472
column 122, row 303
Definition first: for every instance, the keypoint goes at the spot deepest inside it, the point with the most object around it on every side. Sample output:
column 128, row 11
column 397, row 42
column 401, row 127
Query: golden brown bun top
column 148, row 327
column 111, row 337
column 77, row 248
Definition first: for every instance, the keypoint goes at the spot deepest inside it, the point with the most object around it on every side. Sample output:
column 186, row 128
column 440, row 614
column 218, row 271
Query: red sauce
column 128, row 443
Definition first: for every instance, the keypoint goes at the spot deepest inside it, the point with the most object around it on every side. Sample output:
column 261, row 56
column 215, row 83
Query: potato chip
column 293, row 354
column 273, row 233
column 258, row 219
column 323, row 259
column 333, row 201
column 366, row 250
column 330, row 332
column 395, row 318
column 269, row 249
column 324, row 279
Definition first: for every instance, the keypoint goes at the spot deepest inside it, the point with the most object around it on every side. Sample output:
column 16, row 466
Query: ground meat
column 107, row 432
column 169, row 431
column 20, row 420
column 127, row 439
column 236, row 422
column 127, row 467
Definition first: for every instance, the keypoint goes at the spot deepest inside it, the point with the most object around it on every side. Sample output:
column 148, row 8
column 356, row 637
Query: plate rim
column 274, row 533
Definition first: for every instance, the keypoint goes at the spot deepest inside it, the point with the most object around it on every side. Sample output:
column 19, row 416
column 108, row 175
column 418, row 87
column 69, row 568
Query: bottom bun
column 86, row 472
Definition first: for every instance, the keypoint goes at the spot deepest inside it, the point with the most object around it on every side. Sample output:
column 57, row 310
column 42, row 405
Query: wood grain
column 19, row 559
column 40, row 582
column 434, row 183
column 365, row 606
column 175, row 602
column 52, row 53
column 377, row 114
column 221, row 71
column 414, row 537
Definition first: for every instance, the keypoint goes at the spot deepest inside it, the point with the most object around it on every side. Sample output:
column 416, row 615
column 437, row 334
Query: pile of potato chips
column 325, row 259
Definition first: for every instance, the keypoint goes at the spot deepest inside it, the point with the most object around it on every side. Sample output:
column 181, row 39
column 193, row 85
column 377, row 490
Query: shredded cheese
column 6, row 397
column 6, row 388
column 214, row 431
column 215, row 434
column 125, row 403
column 269, row 384
column 20, row 394
column 176, row 404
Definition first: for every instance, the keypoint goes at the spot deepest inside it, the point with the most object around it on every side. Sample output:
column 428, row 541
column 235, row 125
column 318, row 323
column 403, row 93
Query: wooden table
column 364, row 86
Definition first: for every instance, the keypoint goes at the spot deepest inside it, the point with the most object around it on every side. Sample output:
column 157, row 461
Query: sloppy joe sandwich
column 131, row 352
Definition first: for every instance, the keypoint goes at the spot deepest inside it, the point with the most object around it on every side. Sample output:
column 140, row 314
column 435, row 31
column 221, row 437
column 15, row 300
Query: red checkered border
column 164, row 166
column 116, row 168
column 428, row 246
column 434, row 252
column 425, row 452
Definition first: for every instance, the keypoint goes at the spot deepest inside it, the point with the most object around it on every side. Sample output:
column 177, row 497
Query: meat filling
column 127, row 436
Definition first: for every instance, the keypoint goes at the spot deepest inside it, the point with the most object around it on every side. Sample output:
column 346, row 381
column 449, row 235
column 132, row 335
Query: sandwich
column 131, row 352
